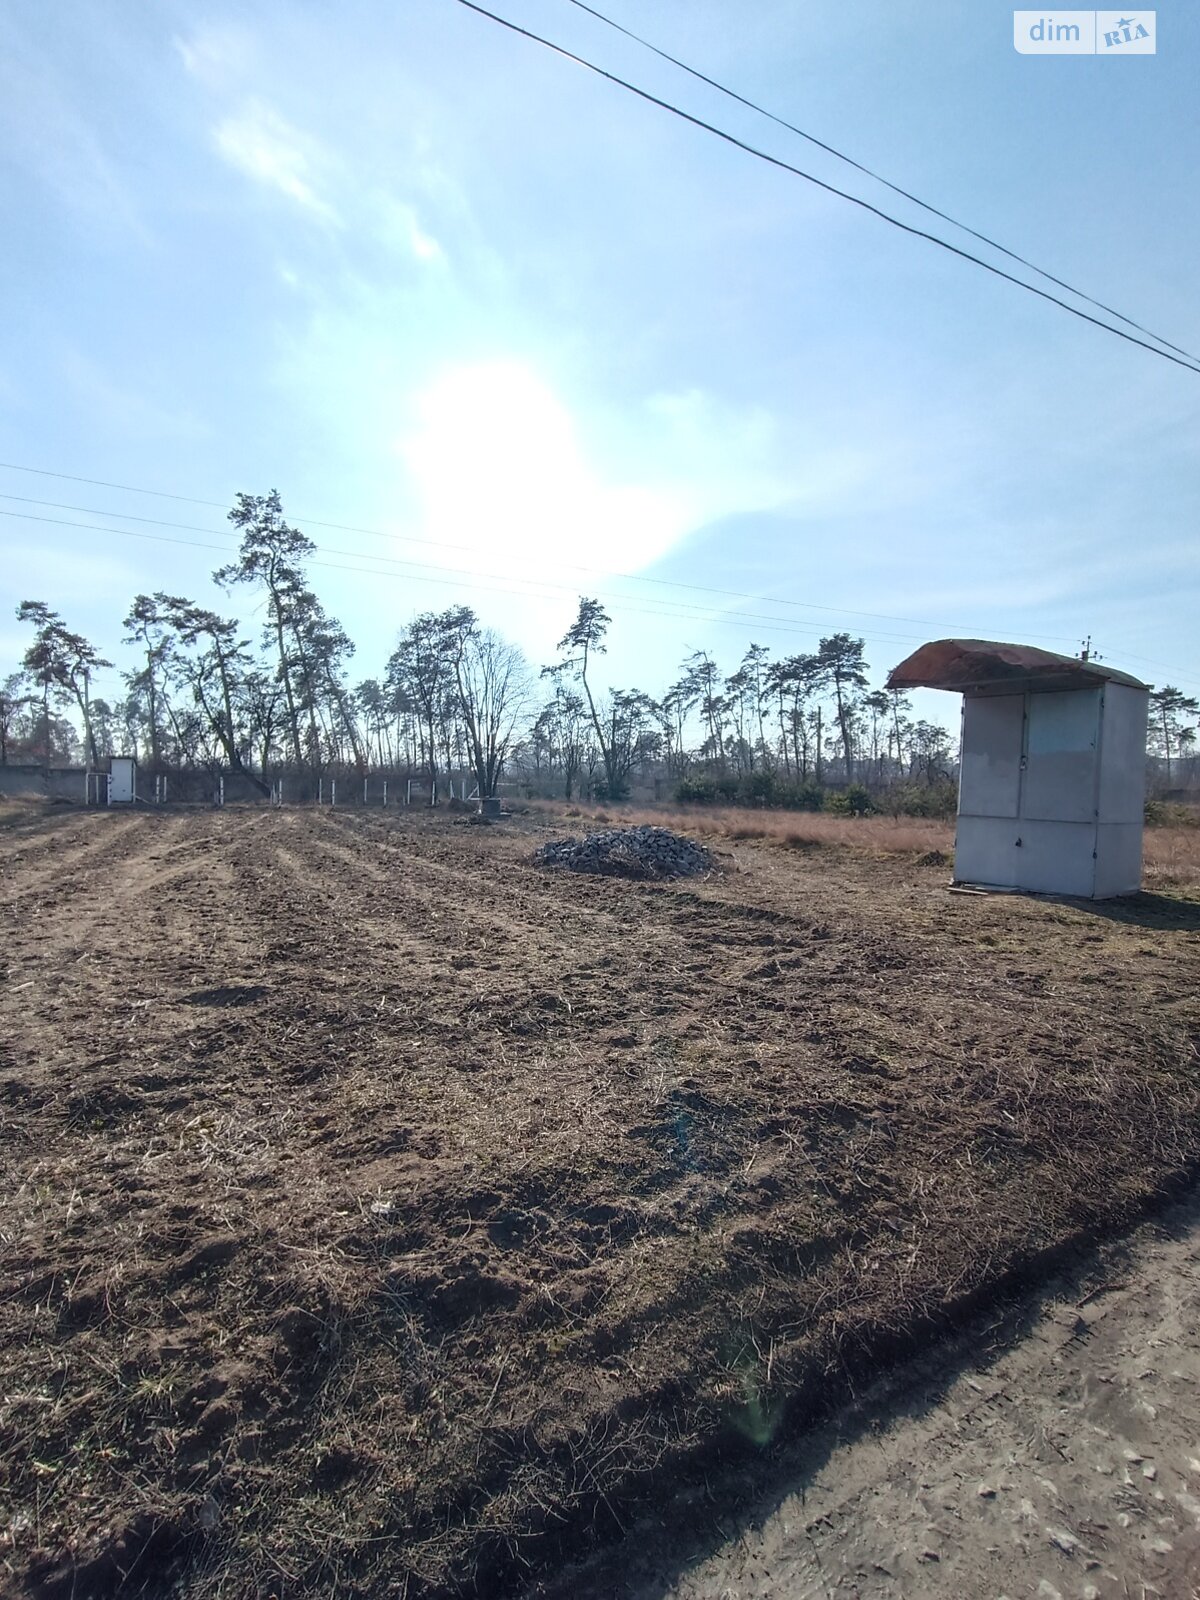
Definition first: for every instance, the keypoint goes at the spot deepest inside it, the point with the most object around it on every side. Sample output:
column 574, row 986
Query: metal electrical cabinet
column 1051, row 791
column 1052, row 775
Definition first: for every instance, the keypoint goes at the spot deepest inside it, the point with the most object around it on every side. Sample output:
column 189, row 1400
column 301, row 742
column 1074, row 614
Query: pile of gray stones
column 644, row 852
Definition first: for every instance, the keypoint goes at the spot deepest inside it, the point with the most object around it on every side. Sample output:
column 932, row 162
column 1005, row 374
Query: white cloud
column 499, row 469
column 216, row 57
column 400, row 227
column 725, row 456
column 45, row 128
column 260, row 143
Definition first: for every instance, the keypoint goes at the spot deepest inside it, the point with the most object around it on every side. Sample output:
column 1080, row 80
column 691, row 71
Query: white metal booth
column 116, row 787
column 123, row 785
column 1053, row 766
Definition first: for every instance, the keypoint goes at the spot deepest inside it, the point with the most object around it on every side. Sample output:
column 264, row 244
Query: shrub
column 1171, row 814
column 853, row 801
column 761, row 789
column 938, row 799
column 696, row 791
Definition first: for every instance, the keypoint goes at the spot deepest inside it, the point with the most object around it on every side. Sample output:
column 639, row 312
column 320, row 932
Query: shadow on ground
column 658, row 1554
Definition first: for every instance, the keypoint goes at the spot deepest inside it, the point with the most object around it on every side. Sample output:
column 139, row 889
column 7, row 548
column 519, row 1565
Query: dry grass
column 1172, row 851
column 799, row 829
column 1172, row 857
column 380, row 1216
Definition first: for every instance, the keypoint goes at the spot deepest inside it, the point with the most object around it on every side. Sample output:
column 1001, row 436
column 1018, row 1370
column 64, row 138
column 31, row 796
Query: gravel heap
column 643, row 852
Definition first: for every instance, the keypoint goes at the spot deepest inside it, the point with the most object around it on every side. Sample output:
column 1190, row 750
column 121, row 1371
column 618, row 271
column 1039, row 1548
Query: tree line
column 455, row 696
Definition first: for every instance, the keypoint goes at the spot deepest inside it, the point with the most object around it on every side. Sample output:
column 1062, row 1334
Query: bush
column 696, row 791
column 854, row 801
column 1171, row 814
column 938, row 799
column 760, row 789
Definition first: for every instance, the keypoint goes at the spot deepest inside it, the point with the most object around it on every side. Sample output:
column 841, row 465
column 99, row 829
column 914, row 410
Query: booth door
column 1061, row 772
column 989, row 790
column 992, row 747
column 121, row 793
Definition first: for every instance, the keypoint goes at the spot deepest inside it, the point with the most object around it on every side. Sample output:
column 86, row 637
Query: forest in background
column 806, row 730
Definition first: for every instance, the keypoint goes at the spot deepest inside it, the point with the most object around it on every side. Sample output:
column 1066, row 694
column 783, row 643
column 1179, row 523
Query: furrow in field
column 99, row 839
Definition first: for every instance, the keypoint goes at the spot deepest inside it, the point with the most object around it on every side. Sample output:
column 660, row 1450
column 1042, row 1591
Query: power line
column 1189, row 364
column 377, row 533
column 533, row 588
column 933, row 210
column 631, row 577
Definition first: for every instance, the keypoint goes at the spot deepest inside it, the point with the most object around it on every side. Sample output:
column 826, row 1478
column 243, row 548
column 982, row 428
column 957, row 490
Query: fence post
column 385, row 791
column 364, row 791
column 333, row 791
column 221, row 790
column 320, row 791
column 408, row 793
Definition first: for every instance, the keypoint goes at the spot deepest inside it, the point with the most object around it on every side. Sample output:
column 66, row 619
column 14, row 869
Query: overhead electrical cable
column 1191, row 363
column 534, row 588
column 906, row 194
column 681, row 609
column 596, row 572
column 379, row 533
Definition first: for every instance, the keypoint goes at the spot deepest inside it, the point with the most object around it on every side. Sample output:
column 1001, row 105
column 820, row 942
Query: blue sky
column 429, row 280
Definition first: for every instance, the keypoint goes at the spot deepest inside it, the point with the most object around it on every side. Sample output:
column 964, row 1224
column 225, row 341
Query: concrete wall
column 200, row 787
column 59, row 783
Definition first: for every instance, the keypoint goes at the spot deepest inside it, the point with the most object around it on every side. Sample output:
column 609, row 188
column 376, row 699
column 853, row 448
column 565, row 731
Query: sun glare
column 498, row 466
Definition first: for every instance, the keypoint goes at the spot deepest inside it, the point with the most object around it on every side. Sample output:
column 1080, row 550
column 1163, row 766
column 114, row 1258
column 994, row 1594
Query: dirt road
column 1051, row 1455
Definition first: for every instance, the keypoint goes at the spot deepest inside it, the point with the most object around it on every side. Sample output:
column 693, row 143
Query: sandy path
column 1054, row 1455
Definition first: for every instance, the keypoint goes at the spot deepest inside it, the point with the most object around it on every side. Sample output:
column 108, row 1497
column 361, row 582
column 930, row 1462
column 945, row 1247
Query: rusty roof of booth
column 976, row 666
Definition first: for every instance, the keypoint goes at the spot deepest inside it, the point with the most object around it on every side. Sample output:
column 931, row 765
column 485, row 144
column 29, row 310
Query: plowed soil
column 385, row 1216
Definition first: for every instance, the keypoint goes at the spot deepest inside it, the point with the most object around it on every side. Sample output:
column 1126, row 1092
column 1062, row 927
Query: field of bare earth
column 383, row 1215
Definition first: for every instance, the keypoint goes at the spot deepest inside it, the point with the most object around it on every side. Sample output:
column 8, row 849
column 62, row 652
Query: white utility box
column 122, row 780
column 1053, row 766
